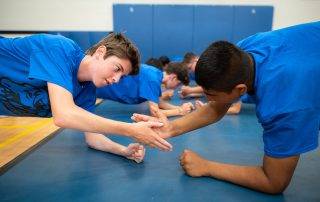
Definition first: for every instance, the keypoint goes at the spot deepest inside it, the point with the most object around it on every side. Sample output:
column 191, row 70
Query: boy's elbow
column 276, row 190
column 63, row 117
column 59, row 121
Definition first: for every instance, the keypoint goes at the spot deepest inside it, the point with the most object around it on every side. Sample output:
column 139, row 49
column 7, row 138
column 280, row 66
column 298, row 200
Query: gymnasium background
column 157, row 27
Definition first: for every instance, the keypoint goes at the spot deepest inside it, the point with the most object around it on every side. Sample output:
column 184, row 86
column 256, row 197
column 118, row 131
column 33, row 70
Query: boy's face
column 192, row 65
column 224, row 97
column 173, row 82
column 110, row 70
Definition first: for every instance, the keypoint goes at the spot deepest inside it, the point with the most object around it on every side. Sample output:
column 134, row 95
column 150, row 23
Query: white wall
column 96, row 15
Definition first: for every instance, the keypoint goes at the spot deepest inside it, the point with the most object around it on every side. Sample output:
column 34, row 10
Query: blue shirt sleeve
column 291, row 133
column 52, row 66
column 150, row 91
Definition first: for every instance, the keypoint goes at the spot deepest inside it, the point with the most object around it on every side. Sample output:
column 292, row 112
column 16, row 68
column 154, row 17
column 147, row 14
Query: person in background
column 190, row 60
column 146, row 86
column 165, row 61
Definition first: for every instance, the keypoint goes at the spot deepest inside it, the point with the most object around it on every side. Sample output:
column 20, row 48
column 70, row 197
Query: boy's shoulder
column 51, row 40
column 149, row 73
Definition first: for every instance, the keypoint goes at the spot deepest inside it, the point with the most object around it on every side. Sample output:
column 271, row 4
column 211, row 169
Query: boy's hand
column 184, row 91
column 135, row 151
column 145, row 133
column 193, row 164
column 167, row 95
column 165, row 130
column 186, row 108
column 199, row 104
column 141, row 117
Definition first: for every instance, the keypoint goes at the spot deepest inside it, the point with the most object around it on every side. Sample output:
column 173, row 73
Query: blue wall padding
column 211, row 23
column 136, row 22
column 173, row 30
column 249, row 20
column 84, row 39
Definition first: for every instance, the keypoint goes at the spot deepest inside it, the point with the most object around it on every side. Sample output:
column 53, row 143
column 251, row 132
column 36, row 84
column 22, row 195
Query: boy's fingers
column 152, row 124
column 166, row 145
column 158, row 114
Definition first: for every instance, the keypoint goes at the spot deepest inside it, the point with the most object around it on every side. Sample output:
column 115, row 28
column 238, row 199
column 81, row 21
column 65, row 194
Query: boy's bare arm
column 68, row 115
column 272, row 177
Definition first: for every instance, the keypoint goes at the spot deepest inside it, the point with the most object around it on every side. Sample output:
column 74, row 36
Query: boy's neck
column 250, row 82
column 164, row 78
column 84, row 73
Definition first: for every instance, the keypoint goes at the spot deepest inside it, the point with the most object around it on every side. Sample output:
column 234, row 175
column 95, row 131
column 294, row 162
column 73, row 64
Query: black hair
column 164, row 60
column 180, row 70
column 155, row 63
column 221, row 67
column 188, row 57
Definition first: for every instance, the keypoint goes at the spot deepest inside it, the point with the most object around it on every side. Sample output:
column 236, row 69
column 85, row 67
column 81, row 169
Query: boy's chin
column 100, row 85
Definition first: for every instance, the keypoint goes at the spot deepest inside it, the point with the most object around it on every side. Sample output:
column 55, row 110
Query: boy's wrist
column 128, row 130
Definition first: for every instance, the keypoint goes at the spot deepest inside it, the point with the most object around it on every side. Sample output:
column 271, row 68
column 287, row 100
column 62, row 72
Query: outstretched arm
column 187, row 91
column 210, row 113
column 68, row 115
column 100, row 142
column 272, row 177
column 174, row 110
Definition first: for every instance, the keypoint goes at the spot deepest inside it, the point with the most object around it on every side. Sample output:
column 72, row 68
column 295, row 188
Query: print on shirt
column 24, row 99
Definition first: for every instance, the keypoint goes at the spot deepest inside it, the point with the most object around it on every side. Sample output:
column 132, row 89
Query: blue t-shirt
column 286, row 87
column 28, row 63
column 146, row 86
column 192, row 76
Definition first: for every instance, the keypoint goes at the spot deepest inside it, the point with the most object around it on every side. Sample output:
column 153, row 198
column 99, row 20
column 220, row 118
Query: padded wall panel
column 211, row 23
column 249, row 20
column 172, row 30
column 136, row 22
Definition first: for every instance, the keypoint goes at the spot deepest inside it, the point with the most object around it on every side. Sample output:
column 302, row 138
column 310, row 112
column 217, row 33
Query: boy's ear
column 242, row 89
column 101, row 51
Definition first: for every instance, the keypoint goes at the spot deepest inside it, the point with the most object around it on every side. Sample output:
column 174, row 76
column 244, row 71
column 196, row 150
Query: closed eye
column 118, row 67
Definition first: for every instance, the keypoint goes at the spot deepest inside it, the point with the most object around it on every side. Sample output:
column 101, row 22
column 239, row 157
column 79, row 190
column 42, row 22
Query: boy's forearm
column 273, row 177
column 196, row 89
column 67, row 114
column 102, row 143
column 172, row 112
column 210, row 113
column 249, row 176
column 166, row 105
column 80, row 119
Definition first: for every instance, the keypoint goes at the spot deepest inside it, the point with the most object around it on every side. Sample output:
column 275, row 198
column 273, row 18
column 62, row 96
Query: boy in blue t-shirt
column 190, row 60
column 279, row 70
column 48, row 75
column 146, row 86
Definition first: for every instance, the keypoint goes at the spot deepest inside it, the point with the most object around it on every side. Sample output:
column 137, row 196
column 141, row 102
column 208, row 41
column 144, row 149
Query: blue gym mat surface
column 65, row 169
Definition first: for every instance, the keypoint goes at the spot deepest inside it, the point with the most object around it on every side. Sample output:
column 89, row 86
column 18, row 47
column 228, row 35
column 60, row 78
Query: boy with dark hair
column 146, row 86
column 190, row 60
column 49, row 75
column 165, row 61
column 155, row 63
column 279, row 71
